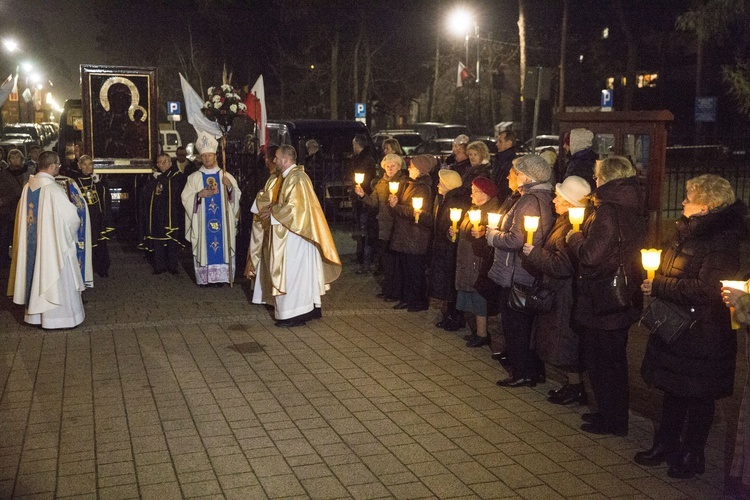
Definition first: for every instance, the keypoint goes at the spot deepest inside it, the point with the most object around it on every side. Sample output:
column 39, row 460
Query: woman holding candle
column 474, row 257
column 450, row 197
column 479, row 158
column 697, row 368
column 393, row 168
column 532, row 173
column 739, row 300
column 412, row 234
column 612, row 235
column 556, row 340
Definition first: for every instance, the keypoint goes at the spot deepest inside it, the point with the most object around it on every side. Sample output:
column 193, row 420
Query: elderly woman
column 412, row 235
column 475, row 257
column 740, row 470
column 393, row 171
column 696, row 368
column 612, row 235
column 479, row 158
column 459, row 161
column 555, row 341
column 532, row 174
column 443, row 266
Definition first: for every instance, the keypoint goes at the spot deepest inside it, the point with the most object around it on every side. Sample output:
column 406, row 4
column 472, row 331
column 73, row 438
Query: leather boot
column 657, row 455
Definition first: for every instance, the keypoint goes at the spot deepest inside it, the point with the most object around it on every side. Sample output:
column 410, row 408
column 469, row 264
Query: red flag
column 14, row 93
column 462, row 75
column 256, row 110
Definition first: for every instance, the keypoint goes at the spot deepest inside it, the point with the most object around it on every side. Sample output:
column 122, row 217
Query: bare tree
column 334, row 91
column 563, row 51
column 632, row 57
column 522, row 59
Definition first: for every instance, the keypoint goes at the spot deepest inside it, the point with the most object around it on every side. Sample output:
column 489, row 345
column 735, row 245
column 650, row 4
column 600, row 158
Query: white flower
column 242, row 107
column 233, row 108
column 216, row 98
column 211, row 90
column 207, row 104
column 226, row 88
column 217, row 104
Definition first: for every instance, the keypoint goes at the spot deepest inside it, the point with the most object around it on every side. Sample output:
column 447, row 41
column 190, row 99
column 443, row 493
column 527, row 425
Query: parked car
column 21, row 142
column 435, row 130
column 489, row 141
column 407, row 138
column 542, row 142
column 33, row 129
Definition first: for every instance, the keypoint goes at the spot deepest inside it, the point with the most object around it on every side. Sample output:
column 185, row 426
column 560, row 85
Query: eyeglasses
column 595, row 177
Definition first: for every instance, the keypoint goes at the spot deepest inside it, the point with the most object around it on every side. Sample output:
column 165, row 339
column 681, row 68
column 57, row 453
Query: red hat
column 486, row 186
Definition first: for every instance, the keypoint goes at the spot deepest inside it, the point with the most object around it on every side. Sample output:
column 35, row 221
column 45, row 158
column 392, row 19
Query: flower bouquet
column 224, row 104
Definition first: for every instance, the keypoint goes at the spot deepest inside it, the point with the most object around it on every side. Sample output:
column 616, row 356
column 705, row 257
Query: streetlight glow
column 460, row 21
column 27, row 66
column 10, row 45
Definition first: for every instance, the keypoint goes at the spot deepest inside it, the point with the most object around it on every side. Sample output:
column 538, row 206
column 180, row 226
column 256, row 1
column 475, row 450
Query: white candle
column 530, row 224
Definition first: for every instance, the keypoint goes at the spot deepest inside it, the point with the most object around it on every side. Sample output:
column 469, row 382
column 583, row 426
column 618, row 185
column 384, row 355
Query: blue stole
column 213, row 217
column 75, row 196
column 32, row 214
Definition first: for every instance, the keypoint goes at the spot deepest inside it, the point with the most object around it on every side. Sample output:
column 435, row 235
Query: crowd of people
column 550, row 244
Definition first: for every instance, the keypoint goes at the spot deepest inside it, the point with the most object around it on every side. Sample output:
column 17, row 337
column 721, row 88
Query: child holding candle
column 451, row 196
column 473, row 258
column 697, row 368
column 555, row 340
column 411, row 239
column 533, row 174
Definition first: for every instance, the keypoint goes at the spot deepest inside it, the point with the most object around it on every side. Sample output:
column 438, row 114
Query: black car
column 31, row 129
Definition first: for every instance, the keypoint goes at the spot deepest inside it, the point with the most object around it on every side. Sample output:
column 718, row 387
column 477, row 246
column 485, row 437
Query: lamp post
column 460, row 21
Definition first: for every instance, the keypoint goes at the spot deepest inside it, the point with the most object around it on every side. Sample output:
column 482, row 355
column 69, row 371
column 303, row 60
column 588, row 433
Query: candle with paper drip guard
column 359, row 178
column 475, row 217
column 416, row 203
column 576, row 217
column 455, row 219
column 530, row 224
column 493, row 220
column 737, row 285
column 393, row 187
column 651, row 258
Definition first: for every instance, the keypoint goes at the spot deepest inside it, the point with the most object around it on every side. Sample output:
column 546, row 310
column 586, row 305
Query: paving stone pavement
column 173, row 391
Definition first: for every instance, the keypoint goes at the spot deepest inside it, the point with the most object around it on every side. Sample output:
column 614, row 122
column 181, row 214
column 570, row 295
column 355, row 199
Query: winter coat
column 555, row 340
column 378, row 199
column 443, row 265
column 619, row 210
column 473, row 255
column 507, row 267
column 700, row 362
column 11, row 186
column 501, row 166
column 461, row 167
column 481, row 170
column 409, row 236
column 582, row 164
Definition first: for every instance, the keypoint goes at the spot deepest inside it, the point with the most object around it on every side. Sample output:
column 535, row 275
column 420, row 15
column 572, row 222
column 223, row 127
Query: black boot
column 657, row 455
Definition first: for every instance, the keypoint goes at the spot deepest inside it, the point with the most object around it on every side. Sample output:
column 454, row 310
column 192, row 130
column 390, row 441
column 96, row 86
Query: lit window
column 623, row 81
column 605, row 33
column 610, row 83
column 646, row 80
column 580, row 58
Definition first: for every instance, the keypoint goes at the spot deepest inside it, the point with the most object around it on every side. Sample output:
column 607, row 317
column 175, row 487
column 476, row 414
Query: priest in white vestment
column 45, row 274
column 302, row 258
column 211, row 199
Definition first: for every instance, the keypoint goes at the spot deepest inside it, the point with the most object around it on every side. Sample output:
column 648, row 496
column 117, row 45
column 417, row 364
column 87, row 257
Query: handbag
column 666, row 320
column 612, row 294
column 530, row 299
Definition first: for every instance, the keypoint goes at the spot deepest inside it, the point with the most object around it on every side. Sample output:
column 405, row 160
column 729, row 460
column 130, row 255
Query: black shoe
column 454, row 325
column 316, row 313
column 470, row 337
column 658, row 454
column 500, row 356
column 389, row 299
column 290, row 323
column 603, row 429
column 401, row 305
column 479, row 341
column 516, row 382
column 569, row 393
column 380, row 295
column 593, row 418
column 442, row 323
column 687, row 465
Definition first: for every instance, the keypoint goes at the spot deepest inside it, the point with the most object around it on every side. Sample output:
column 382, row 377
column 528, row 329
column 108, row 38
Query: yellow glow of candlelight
column 576, row 217
column 393, row 187
column 530, row 224
column 651, row 258
column 493, row 220
column 737, row 285
column 475, row 217
column 417, row 203
column 456, row 214
column 359, row 178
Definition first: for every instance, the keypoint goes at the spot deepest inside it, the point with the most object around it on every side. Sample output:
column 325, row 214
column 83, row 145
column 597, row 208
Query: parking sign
column 607, row 100
column 173, row 107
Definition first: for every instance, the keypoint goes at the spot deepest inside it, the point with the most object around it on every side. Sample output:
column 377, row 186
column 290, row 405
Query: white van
column 170, row 140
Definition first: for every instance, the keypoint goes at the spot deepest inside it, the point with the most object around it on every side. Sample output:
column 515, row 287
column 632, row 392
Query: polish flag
column 462, row 75
column 256, row 110
column 14, row 92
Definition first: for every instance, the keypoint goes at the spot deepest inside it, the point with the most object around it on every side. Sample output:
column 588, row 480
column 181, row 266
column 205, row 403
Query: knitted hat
column 423, row 163
column 574, row 189
column 450, row 178
column 461, row 139
column 549, row 156
column 580, row 139
column 534, row 167
column 486, row 186
column 206, row 143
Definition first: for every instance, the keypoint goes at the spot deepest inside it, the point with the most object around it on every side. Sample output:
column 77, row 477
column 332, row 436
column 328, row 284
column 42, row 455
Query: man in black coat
column 503, row 162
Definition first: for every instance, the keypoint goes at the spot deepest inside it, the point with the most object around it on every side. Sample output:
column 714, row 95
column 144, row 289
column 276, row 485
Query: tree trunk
column 563, row 50
column 433, row 93
column 368, row 71
column 335, row 77
column 355, row 66
column 522, row 60
column 632, row 57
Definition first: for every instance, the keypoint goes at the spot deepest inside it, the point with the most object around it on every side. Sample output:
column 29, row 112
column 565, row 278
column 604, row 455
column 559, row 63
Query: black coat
column 582, row 165
column 99, row 201
column 619, row 210
column 443, row 265
column 701, row 362
column 409, row 236
column 501, row 166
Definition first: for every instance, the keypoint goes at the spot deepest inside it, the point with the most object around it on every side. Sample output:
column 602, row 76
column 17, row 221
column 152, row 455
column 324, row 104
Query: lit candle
column 737, row 285
column 455, row 218
column 393, row 187
column 475, row 217
column 493, row 220
column 651, row 258
column 359, row 178
column 576, row 217
column 530, row 224
column 416, row 203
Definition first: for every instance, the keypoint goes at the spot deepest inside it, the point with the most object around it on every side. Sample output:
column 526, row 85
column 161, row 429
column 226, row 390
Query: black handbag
column 612, row 294
column 530, row 299
column 666, row 320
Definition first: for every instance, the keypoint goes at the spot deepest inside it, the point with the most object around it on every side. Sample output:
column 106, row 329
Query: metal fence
column 686, row 162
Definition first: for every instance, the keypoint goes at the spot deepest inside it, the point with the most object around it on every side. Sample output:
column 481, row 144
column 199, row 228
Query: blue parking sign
column 173, row 107
column 607, row 100
column 360, row 110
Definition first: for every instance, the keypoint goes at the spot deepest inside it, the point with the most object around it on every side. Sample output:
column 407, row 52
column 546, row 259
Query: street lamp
column 460, row 22
column 10, row 44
